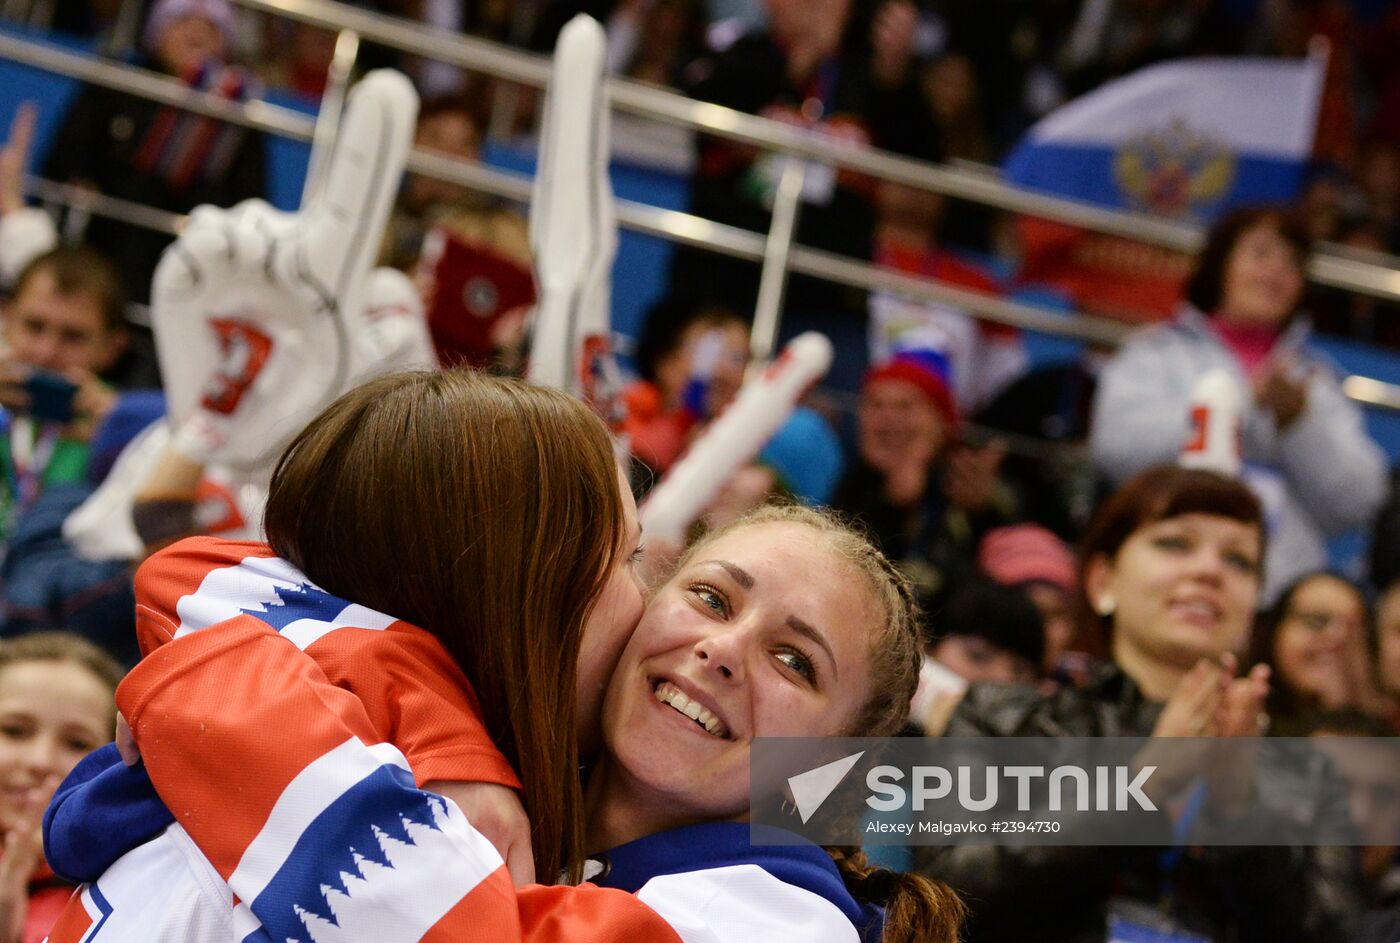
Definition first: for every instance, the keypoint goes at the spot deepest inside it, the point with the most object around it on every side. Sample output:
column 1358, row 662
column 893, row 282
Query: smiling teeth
column 668, row 693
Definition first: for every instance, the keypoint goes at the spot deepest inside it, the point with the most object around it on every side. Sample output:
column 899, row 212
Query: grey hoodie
column 1330, row 476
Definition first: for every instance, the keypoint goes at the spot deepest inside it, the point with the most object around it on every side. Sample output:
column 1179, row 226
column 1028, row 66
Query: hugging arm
column 288, row 793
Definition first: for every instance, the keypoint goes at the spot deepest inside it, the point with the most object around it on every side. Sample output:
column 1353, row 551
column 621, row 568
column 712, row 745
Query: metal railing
column 479, row 55
column 679, row 227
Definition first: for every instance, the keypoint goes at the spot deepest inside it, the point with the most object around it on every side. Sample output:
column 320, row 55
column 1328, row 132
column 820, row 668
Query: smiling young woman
column 1170, row 576
column 1316, row 638
column 56, row 705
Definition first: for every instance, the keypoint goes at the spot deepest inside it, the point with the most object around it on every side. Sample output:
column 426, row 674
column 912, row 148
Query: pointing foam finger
column 204, row 252
column 346, row 219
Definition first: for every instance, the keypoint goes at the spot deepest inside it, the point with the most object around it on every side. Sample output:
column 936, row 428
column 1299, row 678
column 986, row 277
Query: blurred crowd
column 1074, row 580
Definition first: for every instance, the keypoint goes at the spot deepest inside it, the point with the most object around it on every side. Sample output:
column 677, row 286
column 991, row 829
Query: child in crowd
column 1032, row 559
column 56, row 705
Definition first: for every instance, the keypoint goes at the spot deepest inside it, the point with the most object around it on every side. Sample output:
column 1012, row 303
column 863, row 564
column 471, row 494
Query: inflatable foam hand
column 573, row 228
column 731, row 442
column 394, row 335
column 257, row 312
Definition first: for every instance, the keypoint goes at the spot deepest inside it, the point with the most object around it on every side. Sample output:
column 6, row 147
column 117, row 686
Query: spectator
column 1171, row 575
column 805, row 71
column 56, row 703
column 65, row 325
column 1305, row 446
column 989, row 632
column 27, row 232
column 470, row 254
column 650, row 40
column 1049, row 409
column 950, row 84
column 63, row 427
column 1372, row 775
column 1015, row 48
column 1033, row 560
column 984, row 357
column 1386, row 650
column 691, row 364
column 301, row 60
column 1315, row 638
column 926, row 497
column 157, row 155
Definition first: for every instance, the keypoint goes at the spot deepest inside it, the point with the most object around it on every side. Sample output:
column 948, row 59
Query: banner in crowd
column 1187, row 138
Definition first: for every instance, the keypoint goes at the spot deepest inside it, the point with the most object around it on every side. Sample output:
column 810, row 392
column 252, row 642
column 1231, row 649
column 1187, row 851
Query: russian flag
column 1188, row 138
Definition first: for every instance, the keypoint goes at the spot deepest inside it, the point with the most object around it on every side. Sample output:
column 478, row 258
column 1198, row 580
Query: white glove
column 259, row 314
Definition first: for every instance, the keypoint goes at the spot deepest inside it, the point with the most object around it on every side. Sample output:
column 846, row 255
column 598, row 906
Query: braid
column 917, row 909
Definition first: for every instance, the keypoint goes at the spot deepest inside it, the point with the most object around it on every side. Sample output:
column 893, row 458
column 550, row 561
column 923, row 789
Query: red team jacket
column 293, row 783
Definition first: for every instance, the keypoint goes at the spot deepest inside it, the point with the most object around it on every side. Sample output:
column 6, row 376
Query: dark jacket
column 730, row 184
column 46, row 587
column 139, row 150
column 934, row 542
column 1060, row 894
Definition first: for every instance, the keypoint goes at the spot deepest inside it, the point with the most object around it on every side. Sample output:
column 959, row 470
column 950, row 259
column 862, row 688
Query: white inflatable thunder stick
column 573, row 225
column 762, row 406
column 1213, row 439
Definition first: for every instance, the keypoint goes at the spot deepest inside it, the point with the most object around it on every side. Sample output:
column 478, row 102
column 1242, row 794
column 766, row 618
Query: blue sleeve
column 100, row 812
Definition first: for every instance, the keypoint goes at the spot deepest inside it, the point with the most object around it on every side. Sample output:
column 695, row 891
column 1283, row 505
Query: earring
column 1106, row 605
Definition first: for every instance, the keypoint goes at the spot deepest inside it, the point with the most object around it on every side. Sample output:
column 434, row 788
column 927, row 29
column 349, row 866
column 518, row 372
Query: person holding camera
column 61, row 329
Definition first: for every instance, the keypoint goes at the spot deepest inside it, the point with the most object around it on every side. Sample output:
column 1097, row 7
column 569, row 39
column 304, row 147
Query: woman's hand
column 1241, row 711
column 496, row 812
column 22, row 852
column 1191, row 711
column 1230, row 774
column 973, row 475
column 1192, row 708
column 1277, row 389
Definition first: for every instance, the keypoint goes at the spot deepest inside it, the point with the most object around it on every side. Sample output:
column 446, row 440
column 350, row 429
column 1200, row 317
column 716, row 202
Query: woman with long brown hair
column 491, row 513
column 490, row 519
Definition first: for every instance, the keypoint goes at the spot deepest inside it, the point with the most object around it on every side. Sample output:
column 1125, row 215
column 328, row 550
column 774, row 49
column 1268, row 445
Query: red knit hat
column 1027, row 553
column 925, row 369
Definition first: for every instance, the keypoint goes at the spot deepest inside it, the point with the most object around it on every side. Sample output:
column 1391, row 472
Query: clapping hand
column 21, row 852
column 1280, row 390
